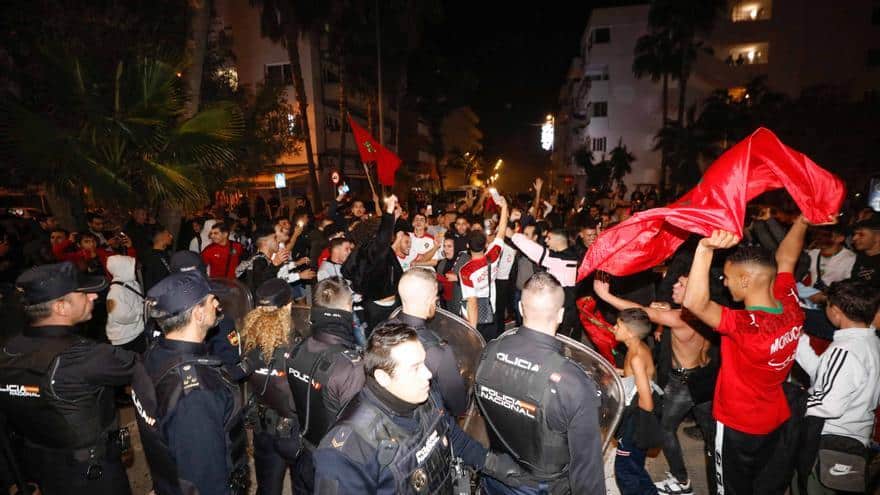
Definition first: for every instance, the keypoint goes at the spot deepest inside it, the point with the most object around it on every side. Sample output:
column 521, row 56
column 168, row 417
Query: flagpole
column 369, row 179
column 379, row 57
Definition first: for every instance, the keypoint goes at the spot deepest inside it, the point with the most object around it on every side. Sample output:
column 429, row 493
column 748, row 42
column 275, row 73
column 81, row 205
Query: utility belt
column 682, row 374
column 111, row 443
column 269, row 421
column 556, row 483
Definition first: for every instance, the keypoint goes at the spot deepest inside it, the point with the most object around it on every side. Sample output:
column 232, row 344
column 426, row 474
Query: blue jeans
column 629, row 470
column 491, row 486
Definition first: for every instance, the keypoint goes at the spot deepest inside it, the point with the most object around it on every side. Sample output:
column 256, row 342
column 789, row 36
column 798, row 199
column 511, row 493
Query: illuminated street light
column 547, row 133
column 498, row 164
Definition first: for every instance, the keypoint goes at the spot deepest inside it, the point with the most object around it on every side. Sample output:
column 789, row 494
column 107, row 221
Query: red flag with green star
column 371, row 151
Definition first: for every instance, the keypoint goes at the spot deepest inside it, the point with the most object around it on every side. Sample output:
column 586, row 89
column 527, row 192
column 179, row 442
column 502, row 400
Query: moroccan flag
column 371, row 151
column 759, row 163
column 598, row 330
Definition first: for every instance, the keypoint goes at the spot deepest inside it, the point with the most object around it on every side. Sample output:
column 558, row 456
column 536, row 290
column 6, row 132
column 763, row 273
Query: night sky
column 520, row 57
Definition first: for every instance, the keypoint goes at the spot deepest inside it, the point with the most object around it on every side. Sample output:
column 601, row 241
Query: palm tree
column 620, row 162
column 196, row 49
column 689, row 146
column 120, row 137
column 654, row 57
column 289, row 21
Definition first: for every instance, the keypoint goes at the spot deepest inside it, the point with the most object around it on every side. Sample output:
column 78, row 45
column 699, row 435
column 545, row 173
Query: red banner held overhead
column 758, row 164
column 372, row 151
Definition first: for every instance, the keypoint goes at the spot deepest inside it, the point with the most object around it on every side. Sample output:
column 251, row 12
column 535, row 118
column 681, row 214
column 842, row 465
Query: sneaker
column 671, row 486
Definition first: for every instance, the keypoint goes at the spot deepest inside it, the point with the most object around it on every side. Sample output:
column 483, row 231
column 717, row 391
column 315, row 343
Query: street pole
column 379, row 57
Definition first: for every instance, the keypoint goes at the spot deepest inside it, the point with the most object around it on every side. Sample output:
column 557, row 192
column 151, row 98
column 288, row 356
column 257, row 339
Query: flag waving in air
column 372, row 151
column 757, row 164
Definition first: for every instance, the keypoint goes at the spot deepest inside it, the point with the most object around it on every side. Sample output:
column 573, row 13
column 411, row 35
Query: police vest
column 512, row 395
column 308, row 375
column 156, row 396
column 28, row 399
column 269, row 388
column 420, row 463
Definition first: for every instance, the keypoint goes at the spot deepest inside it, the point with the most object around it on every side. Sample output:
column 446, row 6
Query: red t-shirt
column 220, row 258
column 757, row 351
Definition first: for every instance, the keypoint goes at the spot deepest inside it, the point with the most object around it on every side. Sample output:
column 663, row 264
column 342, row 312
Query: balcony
column 751, row 11
column 747, row 54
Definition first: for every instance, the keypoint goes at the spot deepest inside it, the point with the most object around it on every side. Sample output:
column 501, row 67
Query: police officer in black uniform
column 325, row 372
column 189, row 412
column 418, row 295
column 540, row 407
column 395, row 437
column 269, row 341
column 223, row 340
column 57, row 388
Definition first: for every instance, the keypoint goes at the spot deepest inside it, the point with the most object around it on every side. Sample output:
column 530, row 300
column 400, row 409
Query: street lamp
column 547, row 133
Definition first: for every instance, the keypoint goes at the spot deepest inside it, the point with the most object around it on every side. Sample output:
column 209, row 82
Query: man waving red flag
column 371, row 151
column 757, row 164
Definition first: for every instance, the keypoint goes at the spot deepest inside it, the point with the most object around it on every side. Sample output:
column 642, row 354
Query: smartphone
column 495, row 196
column 300, row 224
column 344, row 188
column 429, row 210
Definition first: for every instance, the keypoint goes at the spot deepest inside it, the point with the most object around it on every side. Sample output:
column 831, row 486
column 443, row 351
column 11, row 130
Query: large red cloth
column 758, row 164
column 597, row 328
column 371, row 151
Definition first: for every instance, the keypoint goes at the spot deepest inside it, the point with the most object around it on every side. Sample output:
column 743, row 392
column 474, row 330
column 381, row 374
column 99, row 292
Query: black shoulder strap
column 130, row 288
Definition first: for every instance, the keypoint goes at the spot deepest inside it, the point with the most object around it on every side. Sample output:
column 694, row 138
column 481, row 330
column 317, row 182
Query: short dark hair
column 83, row 235
column 476, row 241
column 90, row 217
column 855, row 298
column 383, row 339
column 753, row 254
column 336, row 242
column 222, row 227
column 636, row 319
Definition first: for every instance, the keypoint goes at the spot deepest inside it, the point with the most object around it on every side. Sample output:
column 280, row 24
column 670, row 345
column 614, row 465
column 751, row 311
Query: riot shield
column 608, row 384
column 302, row 321
column 235, row 299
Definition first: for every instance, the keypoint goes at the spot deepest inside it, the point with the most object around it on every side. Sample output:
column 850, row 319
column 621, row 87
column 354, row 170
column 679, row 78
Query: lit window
column 756, row 53
column 291, row 123
column 737, row 94
column 755, row 10
column 599, row 144
column 600, row 109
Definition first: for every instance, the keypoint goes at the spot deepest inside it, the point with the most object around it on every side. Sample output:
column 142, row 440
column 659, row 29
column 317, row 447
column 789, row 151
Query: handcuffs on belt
column 122, row 438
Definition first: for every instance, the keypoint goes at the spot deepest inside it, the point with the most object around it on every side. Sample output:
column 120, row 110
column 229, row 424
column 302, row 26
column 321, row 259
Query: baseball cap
column 273, row 292
column 186, row 261
column 177, row 293
column 47, row 282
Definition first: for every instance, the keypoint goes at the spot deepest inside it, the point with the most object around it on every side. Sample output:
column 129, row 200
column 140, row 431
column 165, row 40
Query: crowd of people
column 766, row 340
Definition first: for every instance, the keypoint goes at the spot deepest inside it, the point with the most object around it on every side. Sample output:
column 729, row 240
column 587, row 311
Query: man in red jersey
column 222, row 255
column 757, row 351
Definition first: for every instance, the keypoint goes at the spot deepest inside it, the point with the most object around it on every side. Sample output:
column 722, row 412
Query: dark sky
column 520, row 55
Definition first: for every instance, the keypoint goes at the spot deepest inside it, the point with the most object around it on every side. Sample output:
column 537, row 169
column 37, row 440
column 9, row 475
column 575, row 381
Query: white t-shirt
column 505, row 263
column 477, row 276
column 834, row 268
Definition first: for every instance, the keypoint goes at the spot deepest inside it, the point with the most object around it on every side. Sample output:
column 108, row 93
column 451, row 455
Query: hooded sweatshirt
column 125, row 301
column 204, row 236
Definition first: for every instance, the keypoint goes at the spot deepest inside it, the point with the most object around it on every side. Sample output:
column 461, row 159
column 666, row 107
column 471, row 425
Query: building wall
column 803, row 43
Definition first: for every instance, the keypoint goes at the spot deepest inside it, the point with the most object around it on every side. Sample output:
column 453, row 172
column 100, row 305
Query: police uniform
column 57, row 392
column 189, row 412
column 325, row 372
column 276, row 428
column 441, row 361
column 542, row 409
column 382, row 445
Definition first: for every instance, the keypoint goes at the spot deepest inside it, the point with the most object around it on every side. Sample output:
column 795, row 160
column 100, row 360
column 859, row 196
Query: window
column 331, row 123
column 750, row 54
column 599, row 144
column 601, row 35
column 751, row 10
column 600, row 109
column 597, row 73
column 279, row 75
column 874, row 58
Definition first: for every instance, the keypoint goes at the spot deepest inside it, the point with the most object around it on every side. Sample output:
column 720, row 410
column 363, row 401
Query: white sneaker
column 671, row 486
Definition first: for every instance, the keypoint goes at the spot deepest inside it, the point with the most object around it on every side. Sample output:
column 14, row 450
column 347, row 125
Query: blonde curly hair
column 267, row 327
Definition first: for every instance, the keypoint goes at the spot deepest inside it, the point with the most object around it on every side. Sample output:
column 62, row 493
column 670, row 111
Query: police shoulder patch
column 342, row 435
column 353, row 355
column 233, row 337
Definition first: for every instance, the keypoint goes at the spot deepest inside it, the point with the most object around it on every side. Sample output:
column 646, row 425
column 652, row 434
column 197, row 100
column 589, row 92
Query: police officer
column 189, row 412
column 540, row 407
column 418, row 295
column 395, row 437
column 325, row 371
column 57, row 388
column 223, row 340
column 268, row 344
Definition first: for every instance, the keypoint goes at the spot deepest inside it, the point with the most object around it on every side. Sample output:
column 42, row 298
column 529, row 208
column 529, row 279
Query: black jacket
column 375, row 271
